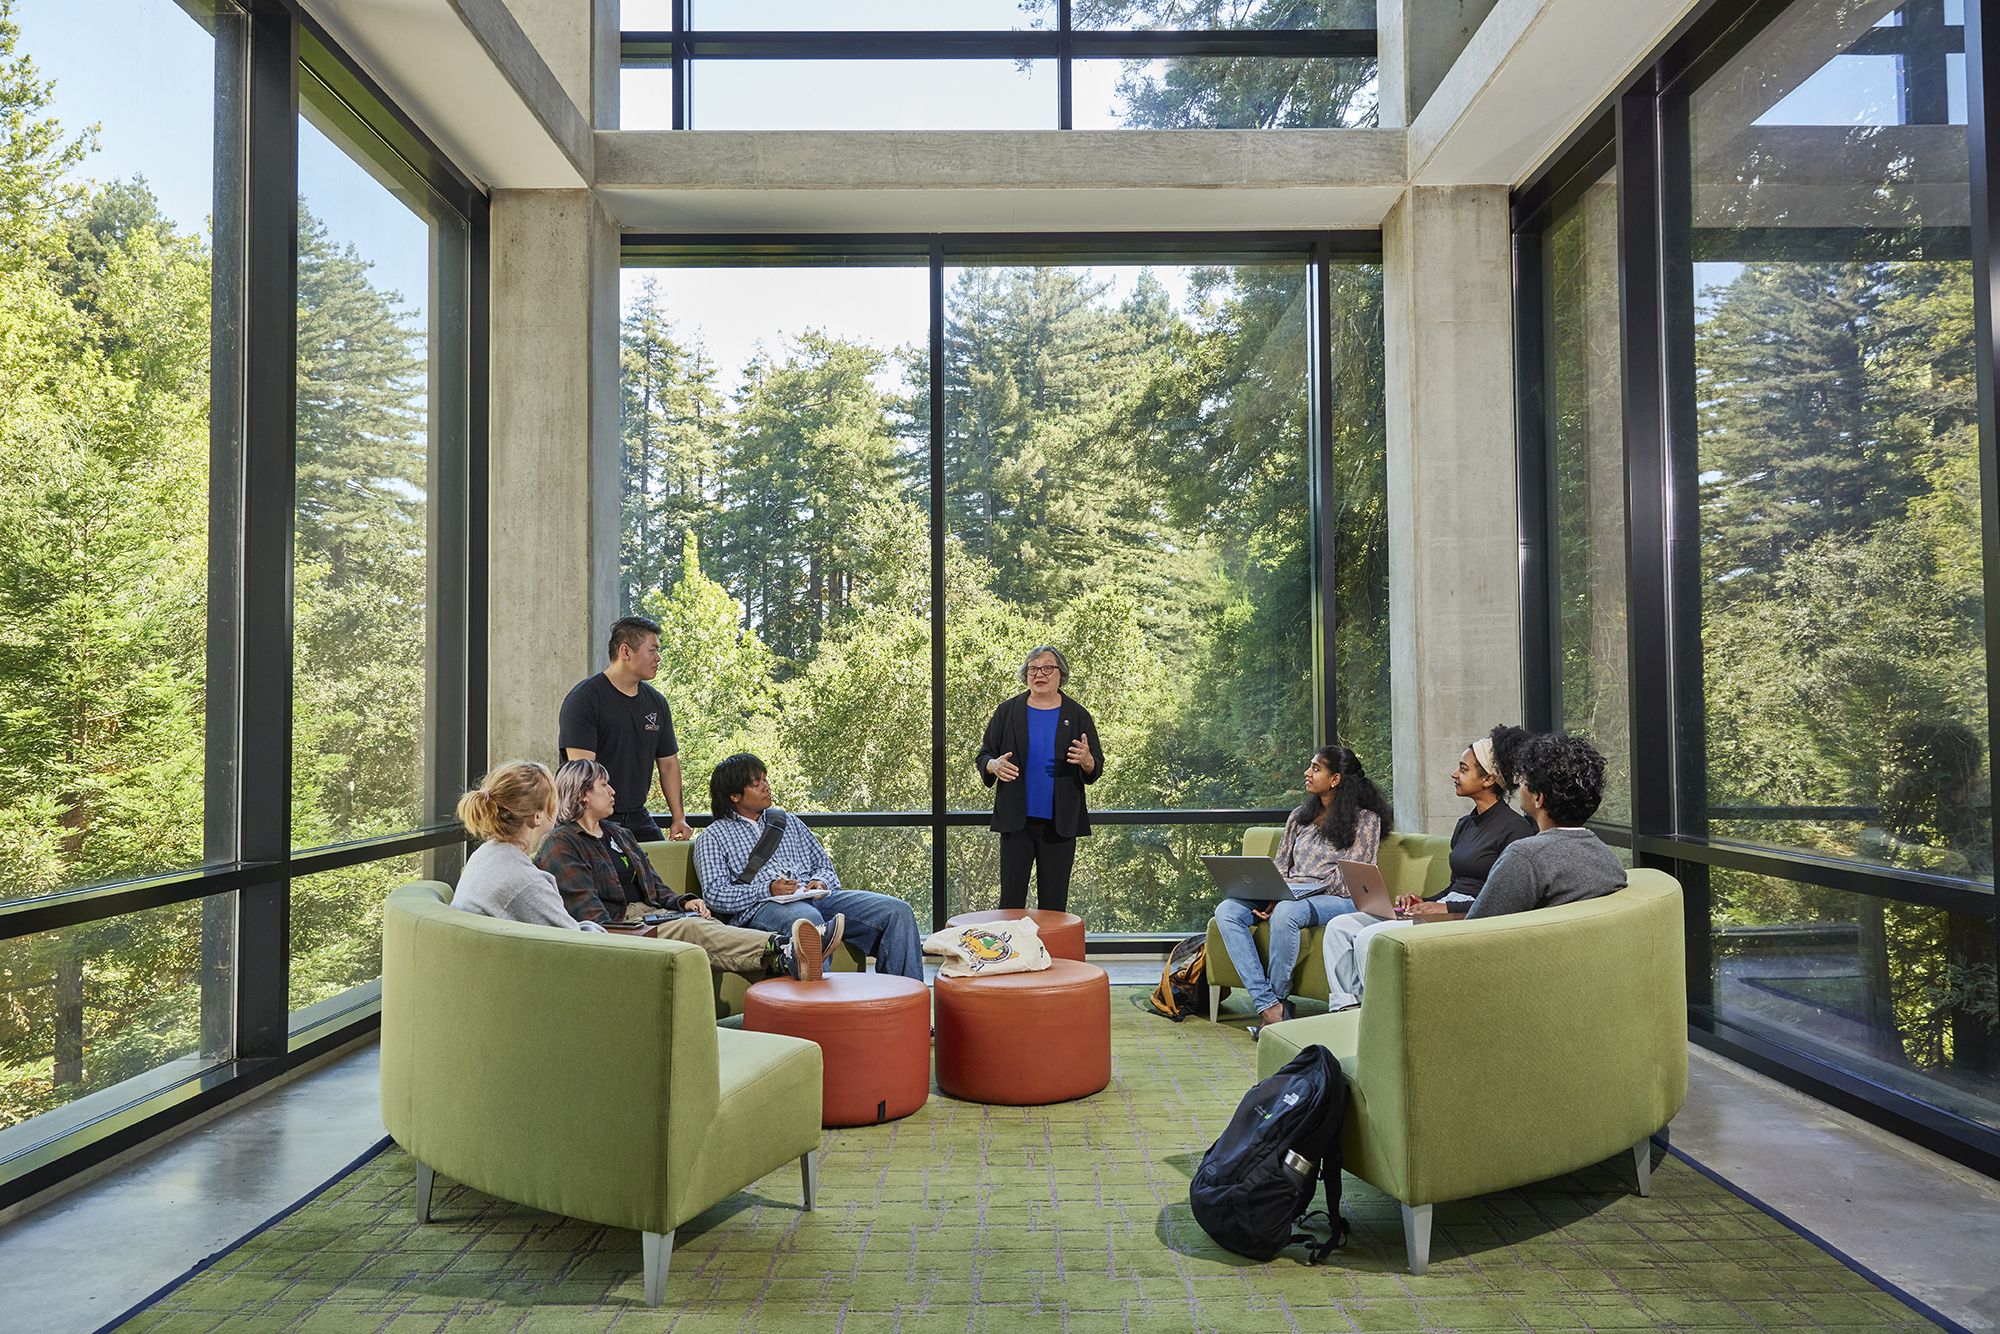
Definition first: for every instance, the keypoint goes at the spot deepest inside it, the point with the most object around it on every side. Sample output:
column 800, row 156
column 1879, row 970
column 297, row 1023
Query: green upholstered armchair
column 674, row 863
column 1411, row 864
column 1492, row 1053
column 581, row 1073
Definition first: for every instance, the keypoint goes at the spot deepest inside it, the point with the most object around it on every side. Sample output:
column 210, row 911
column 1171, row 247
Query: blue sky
column 733, row 311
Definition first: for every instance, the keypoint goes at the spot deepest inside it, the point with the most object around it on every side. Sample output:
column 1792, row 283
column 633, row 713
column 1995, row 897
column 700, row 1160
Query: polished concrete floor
column 72, row 1266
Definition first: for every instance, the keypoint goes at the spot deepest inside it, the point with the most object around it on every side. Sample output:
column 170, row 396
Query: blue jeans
column 1235, row 921
column 883, row 926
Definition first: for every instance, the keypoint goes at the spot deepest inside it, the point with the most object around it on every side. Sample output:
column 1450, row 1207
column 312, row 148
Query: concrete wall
column 578, row 39
column 1419, row 42
column 553, row 544
column 1454, row 583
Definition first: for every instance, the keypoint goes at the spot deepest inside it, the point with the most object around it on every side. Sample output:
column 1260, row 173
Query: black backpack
column 1256, row 1182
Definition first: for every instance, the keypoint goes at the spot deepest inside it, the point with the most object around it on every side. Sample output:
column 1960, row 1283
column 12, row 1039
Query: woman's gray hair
column 1062, row 663
column 573, row 779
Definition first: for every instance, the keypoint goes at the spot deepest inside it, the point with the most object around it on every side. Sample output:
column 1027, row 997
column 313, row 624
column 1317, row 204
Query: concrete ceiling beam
column 473, row 81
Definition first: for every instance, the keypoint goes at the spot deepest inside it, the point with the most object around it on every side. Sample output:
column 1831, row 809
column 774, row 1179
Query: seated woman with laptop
column 1342, row 818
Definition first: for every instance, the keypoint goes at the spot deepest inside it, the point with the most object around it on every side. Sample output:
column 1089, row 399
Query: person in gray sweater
column 512, row 810
column 1562, row 784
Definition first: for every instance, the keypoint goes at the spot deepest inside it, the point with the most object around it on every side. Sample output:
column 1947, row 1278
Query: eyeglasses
column 1042, row 671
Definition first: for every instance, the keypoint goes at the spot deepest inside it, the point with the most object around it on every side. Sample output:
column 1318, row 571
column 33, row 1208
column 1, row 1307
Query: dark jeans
column 1051, row 856
column 640, row 824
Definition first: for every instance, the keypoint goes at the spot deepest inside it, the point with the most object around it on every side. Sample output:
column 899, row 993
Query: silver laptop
column 1366, row 887
column 1257, row 879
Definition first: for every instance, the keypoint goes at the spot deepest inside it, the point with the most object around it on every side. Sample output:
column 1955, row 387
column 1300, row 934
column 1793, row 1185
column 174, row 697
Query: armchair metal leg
column 425, row 1180
column 1642, row 1164
column 1417, row 1237
column 659, row 1249
column 809, row 1177
column 1214, row 1003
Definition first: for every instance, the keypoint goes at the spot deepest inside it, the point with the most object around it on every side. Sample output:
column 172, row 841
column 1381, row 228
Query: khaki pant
column 730, row 949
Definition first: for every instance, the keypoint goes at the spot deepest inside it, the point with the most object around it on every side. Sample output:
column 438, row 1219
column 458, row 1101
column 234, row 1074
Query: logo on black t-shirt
column 652, row 722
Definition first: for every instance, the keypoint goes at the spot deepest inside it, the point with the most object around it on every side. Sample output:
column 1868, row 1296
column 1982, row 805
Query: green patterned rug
column 987, row 1220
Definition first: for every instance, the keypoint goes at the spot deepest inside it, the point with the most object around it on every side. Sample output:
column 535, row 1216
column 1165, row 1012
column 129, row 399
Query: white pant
column 1345, row 947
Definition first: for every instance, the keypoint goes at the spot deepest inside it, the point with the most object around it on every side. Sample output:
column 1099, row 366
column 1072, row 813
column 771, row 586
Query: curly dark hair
column 1507, row 742
column 1354, row 793
column 1567, row 773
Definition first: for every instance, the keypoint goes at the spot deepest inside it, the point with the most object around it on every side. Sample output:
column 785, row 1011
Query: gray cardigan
column 500, row 881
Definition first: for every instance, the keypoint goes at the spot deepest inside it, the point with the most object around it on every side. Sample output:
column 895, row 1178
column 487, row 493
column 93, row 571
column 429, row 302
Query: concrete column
column 1419, row 40
column 553, row 489
column 578, row 40
column 1454, row 580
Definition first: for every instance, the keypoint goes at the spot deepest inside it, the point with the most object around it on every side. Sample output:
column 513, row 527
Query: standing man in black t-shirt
column 624, row 724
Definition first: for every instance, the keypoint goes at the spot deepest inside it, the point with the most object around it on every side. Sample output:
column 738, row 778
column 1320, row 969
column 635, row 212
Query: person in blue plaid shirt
column 739, row 793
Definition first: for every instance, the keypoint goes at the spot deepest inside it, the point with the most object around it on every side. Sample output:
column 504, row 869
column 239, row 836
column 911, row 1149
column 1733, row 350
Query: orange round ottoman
column 1061, row 932
column 874, row 1031
column 1025, row 1038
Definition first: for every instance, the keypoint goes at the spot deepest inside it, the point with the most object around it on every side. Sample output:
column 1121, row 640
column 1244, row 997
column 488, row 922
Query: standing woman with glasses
column 1039, row 753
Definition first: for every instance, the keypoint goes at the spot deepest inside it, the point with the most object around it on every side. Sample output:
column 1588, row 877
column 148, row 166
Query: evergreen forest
column 1123, row 478
column 104, row 550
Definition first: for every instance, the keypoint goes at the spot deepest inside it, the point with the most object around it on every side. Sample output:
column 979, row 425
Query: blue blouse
column 1039, row 769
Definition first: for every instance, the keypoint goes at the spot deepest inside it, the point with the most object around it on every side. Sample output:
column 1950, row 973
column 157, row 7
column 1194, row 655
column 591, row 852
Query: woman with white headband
column 1485, row 777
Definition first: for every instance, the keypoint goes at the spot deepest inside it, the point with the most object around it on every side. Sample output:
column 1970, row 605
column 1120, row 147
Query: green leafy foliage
column 1123, row 479
column 104, row 471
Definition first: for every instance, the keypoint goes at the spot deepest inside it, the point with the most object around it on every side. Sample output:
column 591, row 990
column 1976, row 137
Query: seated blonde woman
column 602, row 876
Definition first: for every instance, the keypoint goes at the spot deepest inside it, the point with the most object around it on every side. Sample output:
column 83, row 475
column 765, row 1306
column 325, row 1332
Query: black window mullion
column 1982, row 71
column 680, row 67
column 1065, row 53
column 1534, row 482
column 264, row 655
column 939, row 822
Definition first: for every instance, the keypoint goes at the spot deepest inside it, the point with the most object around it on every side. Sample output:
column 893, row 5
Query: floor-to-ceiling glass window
column 1126, row 478
column 121, row 142
column 775, row 526
column 381, row 423
column 1126, row 473
column 178, row 651
column 1752, row 442
column 1827, row 333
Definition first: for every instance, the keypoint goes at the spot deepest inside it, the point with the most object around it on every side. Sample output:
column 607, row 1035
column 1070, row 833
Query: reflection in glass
column 106, row 255
column 1588, row 438
column 1898, row 992
column 1835, row 407
column 774, row 524
column 91, row 1006
column 1224, row 93
column 847, row 95
column 370, row 379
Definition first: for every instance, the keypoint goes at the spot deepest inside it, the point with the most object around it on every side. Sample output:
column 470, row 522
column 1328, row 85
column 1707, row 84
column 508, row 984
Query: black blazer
column 1008, row 732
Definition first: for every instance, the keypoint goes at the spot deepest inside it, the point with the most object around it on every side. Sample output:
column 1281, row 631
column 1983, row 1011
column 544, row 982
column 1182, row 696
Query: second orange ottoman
column 1061, row 932
column 874, row 1031
column 1024, row 1039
